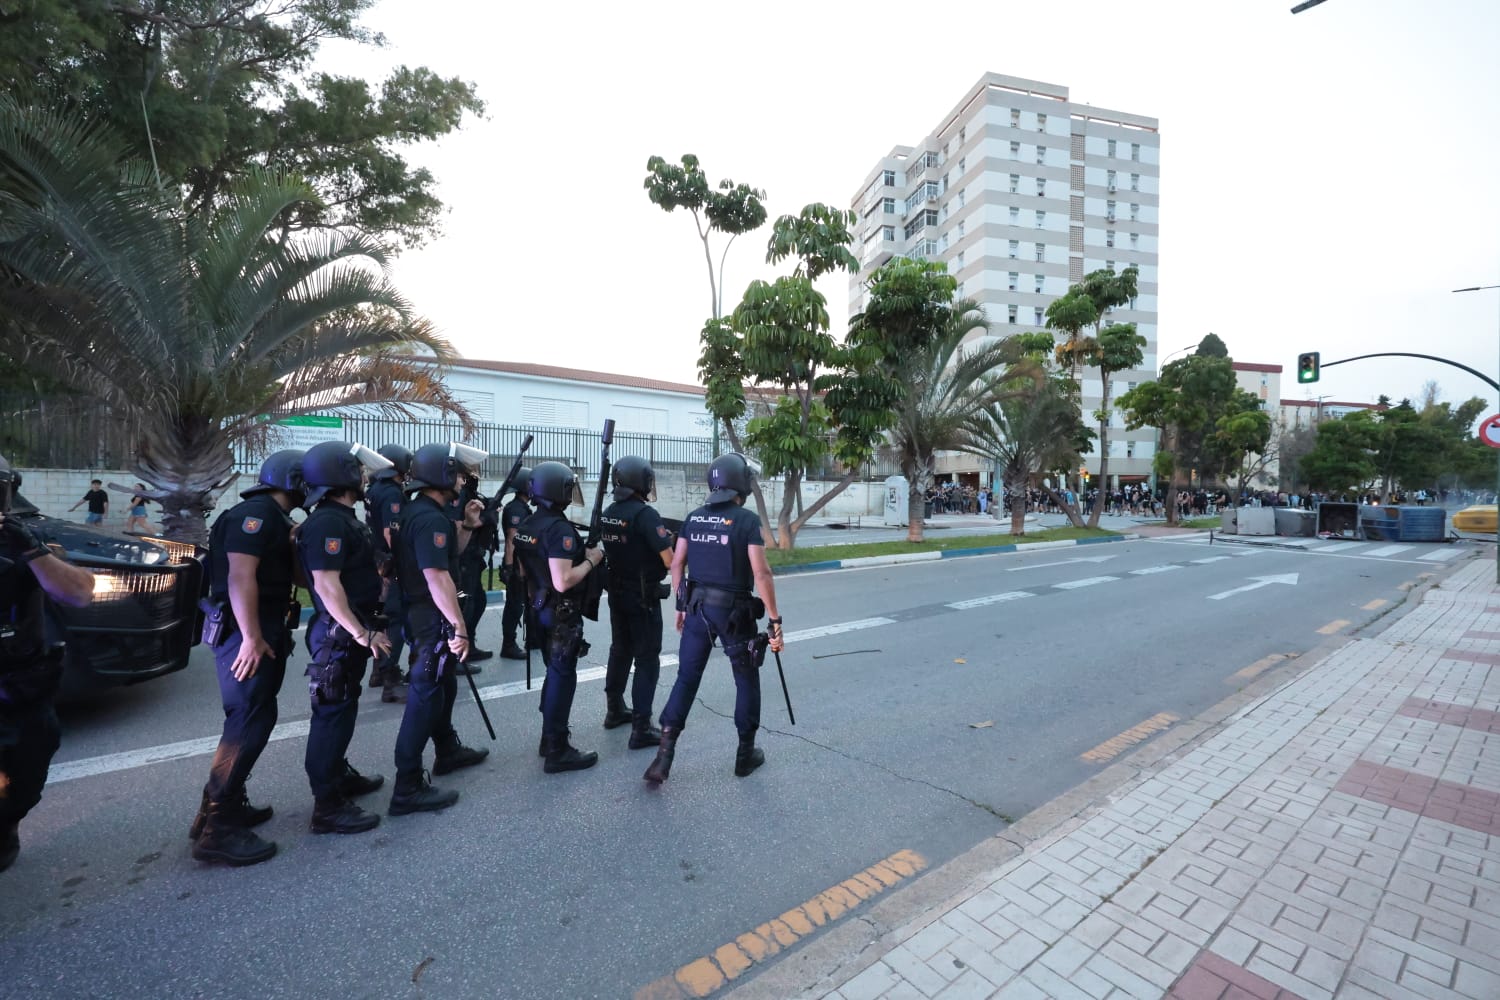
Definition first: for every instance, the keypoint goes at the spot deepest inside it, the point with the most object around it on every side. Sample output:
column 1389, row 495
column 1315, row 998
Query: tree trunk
column 822, row 501
column 916, row 508
column 1017, row 489
column 791, row 486
column 190, row 464
column 1069, row 509
column 1103, row 448
column 767, row 526
column 1171, row 502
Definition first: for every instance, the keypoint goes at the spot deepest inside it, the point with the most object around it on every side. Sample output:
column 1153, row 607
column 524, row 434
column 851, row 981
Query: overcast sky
column 1327, row 178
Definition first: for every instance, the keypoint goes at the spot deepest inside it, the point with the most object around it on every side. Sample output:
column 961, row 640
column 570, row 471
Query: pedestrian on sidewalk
column 98, row 502
column 719, row 564
column 136, row 523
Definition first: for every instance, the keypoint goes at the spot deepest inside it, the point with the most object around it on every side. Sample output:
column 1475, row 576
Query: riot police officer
column 29, row 668
column 512, row 514
column 427, row 552
column 337, row 556
column 248, row 625
column 719, row 558
column 471, row 591
column 383, row 503
column 639, row 550
column 555, row 564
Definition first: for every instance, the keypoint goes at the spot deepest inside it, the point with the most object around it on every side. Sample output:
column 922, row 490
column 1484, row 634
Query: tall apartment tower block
column 1021, row 192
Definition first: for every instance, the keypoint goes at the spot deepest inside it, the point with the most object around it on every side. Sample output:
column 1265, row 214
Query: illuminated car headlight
column 103, row 584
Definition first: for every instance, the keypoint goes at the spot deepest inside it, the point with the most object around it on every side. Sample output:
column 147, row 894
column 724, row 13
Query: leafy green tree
column 195, row 325
column 1031, row 429
column 1184, row 405
column 210, row 91
column 1341, row 462
column 1242, row 431
column 949, row 386
column 1117, row 348
column 1409, row 451
column 731, row 209
column 1212, row 346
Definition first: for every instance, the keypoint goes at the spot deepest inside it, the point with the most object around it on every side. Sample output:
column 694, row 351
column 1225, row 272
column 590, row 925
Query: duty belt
column 717, row 597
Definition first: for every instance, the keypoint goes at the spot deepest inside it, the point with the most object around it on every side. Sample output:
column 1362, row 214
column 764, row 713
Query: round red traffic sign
column 1489, row 431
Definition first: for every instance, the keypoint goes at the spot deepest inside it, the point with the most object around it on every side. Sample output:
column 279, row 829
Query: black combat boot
column 510, row 651
column 455, row 755
column 10, row 844
column 394, row 687
column 416, row 794
column 616, row 712
column 665, row 752
column 238, row 807
column 542, row 745
column 353, row 784
column 476, row 654
column 377, row 675
column 339, row 815
column 223, row 839
column 563, row 756
column 643, row 734
column 748, row 757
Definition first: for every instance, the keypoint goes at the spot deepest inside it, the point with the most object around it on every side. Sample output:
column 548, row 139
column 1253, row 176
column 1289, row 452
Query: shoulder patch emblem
column 440, row 539
column 395, row 507
column 251, row 525
column 723, row 539
column 567, row 545
column 332, row 545
column 662, row 531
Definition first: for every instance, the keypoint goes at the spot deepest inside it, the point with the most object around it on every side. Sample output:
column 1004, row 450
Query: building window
column 1110, row 148
column 1109, row 178
column 1015, row 216
column 1036, row 316
column 960, row 228
column 1015, row 248
column 1109, row 265
column 961, row 198
column 1041, row 154
column 1130, row 449
column 554, row 412
column 1041, row 187
column 1039, row 282
column 1015, row 117
column 1015, row 183
column 931, row 160
column 888, row 206
column 1109, row 237
column 889, row 178
column 1135, row 241
column 1109, row 210
column 1041, row 122
column 1041, row 253
column 1041, row 220
column 640, row 419
column 887, row 232
column 1015, row 279
column 962, row 165
column 1135, row 151
column 1011, row 314
column 1134, row 212
column 1015, row 151
column 961, row 134
column 1135, row 182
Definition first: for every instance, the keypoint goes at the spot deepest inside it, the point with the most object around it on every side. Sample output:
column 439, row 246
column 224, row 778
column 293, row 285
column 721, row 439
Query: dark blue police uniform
column 544, row 535
column 254, row 527
column 721, row 607
column 383, row 502
column 29, row 674
column 428, row 540
column 333, row 539
column 511, row 516
column 634, row 538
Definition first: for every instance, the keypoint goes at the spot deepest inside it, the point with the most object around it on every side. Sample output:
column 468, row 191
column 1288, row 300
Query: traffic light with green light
column 1307, row 367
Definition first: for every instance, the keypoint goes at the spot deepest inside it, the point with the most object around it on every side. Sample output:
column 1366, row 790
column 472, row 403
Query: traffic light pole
column 1407, row 354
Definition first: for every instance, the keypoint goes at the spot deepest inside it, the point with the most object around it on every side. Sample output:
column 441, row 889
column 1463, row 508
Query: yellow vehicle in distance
column 1479, row 519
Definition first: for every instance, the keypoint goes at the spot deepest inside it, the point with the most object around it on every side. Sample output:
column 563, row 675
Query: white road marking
column 1147, row 571
column 1065, row 562
column 979, row 602
column 1088, row 582
column 1211, row 559
column 1441, row 555
column 1259, row 581
column 89, row 767
column 1386, row 550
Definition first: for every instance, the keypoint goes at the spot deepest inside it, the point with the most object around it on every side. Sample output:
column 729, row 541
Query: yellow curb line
column 1129, row 738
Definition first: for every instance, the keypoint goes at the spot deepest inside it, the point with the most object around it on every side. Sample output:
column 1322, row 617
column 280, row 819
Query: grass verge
column 857, row 550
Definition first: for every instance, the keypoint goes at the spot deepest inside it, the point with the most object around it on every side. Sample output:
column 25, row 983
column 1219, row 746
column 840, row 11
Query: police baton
column 449, row 633
column 784, row 693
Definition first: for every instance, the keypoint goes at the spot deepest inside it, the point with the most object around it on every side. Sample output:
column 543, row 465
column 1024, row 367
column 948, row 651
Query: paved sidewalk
column 1339, row 836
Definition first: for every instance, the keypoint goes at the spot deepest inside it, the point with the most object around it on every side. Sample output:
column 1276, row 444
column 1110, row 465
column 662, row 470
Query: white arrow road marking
column 1260, row 581
column 1147, row 571
column 1088, row 582
column 979, row 602
column 1065, row 562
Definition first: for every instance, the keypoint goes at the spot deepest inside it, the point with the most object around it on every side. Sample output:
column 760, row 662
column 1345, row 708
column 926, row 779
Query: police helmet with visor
column 400, row 459
column 438, row 466
column 333, row 466
column 729, row 476
column 282, row 470
column 554, row 485
column 631, row 475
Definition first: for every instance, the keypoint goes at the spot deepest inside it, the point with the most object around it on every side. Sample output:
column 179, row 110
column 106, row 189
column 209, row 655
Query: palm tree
column 195, row 329
column 948, row 384
column 1028, row 432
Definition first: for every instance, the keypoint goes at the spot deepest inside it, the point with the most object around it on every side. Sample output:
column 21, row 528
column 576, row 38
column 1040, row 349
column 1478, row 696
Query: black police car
column 144, row 618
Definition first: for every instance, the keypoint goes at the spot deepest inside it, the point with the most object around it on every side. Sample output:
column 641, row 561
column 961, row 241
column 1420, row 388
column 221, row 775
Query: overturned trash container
column 1337, row 518
column 1392, row 523
column 1293, row 523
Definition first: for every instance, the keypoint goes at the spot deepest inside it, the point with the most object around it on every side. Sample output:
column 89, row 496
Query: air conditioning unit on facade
column 1112, row 189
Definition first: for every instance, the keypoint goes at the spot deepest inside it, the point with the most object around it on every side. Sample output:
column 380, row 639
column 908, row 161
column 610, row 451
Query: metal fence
column 64, row 433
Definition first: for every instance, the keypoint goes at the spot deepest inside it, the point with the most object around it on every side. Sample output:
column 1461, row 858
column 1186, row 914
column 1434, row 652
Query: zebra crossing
column 1420, row 552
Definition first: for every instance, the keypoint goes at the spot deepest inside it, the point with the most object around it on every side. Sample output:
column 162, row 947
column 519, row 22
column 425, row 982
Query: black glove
column 23, row 545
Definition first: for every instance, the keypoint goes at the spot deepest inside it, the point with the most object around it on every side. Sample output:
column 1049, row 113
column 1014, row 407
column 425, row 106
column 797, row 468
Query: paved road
column 935, row 702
